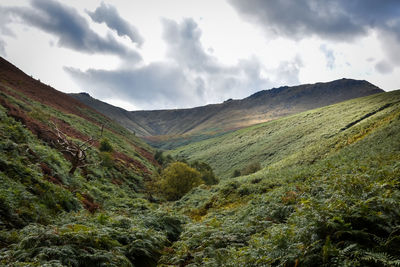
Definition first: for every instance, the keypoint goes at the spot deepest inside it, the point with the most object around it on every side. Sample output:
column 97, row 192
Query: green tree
column 105, row 145
column 251, row 168
column 178, row 179
column 236, row 173
column 207, row 173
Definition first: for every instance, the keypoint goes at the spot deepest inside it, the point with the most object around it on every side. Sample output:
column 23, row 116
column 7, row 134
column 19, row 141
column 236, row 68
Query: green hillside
column 297, row 139
column 168, row 129
column 328, row 193
column 329, row 196
column 53, row 215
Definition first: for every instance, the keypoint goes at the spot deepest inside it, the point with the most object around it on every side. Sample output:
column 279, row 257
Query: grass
column 340, row 210
column 292, row 140
column 98, row 216
column 327, row 196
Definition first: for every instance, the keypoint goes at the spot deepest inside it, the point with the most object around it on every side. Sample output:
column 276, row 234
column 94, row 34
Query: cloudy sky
column 157, row 54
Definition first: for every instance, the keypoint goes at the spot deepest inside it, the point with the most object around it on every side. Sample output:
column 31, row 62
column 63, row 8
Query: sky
column 166, row 54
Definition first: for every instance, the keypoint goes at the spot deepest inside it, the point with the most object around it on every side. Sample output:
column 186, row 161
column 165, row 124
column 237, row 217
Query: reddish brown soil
column 48, row 174
column 41, row 130
column 89, row 204
column 40, row 92
column 146, row 154
column 129, row 161
column 47, row 95
column 31, row 88
column 45, row 169
column 117, row 181
column 35, row 126
column 68, row 130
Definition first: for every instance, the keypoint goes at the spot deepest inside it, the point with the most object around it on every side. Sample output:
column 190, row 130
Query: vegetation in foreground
column 328, row 194
column 340, row 209
column 97, row 215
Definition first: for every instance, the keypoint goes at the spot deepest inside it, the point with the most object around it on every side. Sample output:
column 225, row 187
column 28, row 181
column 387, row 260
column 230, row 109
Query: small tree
column 178, row 179
column 105, row 145
column 207, row 173
column 162, row 159
column 236, row 173
column 251, row 168
column 158, row 156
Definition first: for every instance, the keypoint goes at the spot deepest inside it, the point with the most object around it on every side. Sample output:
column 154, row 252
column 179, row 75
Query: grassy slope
column 296, row 139
column 98, row 215
column 329, row 196
column 168, row 129
column 338, row 206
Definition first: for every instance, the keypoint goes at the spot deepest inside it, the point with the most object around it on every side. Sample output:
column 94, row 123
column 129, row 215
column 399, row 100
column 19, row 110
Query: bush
column 207, row 173
column 162, row 159
column 158, row 156
column 236, row 173
column 107, row 159
column 251, row 168
column 105, row 146
column 178, row 179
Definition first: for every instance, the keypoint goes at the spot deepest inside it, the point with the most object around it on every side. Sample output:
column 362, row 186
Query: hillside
column 172, row 128
column 296, row 139
column 330, row 199
column 72, row 183
column 327, row 194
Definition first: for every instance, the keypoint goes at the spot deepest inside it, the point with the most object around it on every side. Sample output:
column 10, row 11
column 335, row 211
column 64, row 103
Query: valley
column 168, row 129
column 294, row 176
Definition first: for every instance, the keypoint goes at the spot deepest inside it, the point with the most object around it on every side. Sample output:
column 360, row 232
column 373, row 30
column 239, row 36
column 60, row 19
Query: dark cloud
column 391, row 46
column 384, row 67
column 337, row 19
column 72, row 29
column 110, row 16
column 329, row 56
column 190, row 77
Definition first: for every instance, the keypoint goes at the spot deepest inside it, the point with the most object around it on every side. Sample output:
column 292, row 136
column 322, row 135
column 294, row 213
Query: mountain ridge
column 327, row 192
column 167, row 124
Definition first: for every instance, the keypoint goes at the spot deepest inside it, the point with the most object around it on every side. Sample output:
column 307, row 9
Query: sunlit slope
column 169, row 129
column 341, row 210
column 304, row 137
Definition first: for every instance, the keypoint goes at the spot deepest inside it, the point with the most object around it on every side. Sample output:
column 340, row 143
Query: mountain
column 327, row 195
column 202, row 122
column 73, row 183
column 295, row 139
column 323, row 187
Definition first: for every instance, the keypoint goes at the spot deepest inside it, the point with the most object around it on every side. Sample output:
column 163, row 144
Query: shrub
column 105, row 146
column 178, row 179
column 236, row 173
column 107, row 159
column 207, row 173
column 158, row 156
column 162, row 159
column 251, row 168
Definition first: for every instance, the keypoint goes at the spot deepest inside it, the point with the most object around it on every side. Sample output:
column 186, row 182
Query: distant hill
column 297, row 139
column 327, row 195
column 161, row 125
